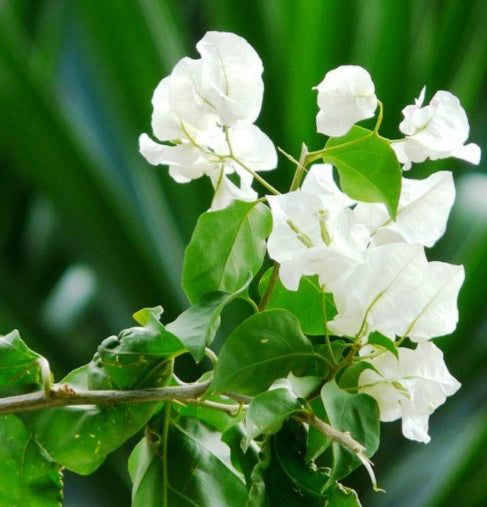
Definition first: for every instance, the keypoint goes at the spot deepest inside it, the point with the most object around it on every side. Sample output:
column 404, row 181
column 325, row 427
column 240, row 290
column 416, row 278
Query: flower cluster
column 204, row 114
column 374, row 266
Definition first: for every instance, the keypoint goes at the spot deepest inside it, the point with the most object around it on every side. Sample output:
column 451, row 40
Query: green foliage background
column 90, row 233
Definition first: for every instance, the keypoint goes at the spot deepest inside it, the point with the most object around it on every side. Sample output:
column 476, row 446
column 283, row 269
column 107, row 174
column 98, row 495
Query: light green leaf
column 305, row 303
column 28, row 476
column 196, row 327
column 226, row 246
column 200, row 472
column 19, row 366
column 367, row 166
column 381, row 341
column 265, row 347
column 357, row 414
column 269, row 410
column 341, row 496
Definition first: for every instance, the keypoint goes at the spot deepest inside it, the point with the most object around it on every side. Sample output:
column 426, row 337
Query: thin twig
column 63, row 395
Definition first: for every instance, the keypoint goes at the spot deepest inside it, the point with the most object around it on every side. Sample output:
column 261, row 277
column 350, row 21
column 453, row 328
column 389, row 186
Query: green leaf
column 307, row 479
column 19, row 366
column 349, row 378
column 305, row 303
column 139, row 356
column 196, row 327
column 383, row 342
column 265, row 347
column 29, row 476
column 216, row 418
column 341, row 496
column 257, row 492
column 269, row 410
column 80, row 437
column 367, row 166
column 226, row 246
column 359, row 415
column 199, row 472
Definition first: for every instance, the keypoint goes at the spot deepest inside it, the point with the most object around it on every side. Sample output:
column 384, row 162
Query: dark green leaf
column 196, row 327
column 359, row 415
column 226, row 247
column 269, row 410
column 265, row 347
column 28, row 476
column 19, row 365
column 367, row 166
column 200, row 472
column 307, row 480
column 305, row 303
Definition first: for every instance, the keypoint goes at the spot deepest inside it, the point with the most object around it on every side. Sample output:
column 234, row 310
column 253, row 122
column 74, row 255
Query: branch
column 62, row 395
column 342, row 438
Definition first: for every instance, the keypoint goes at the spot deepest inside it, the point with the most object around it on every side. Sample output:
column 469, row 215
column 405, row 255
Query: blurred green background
column 90, row 233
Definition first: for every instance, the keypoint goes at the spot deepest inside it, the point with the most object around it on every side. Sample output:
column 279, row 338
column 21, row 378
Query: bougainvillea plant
column 340, row 336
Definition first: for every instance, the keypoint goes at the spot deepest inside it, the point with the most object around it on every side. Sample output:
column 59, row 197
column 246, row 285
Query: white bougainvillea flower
column 232, row 79
column 438, row 313
column 411, row 387
column 203, row 116
column 438, row 130
column 319, row 181
column 345, row 96
column 422, row 214
column 315, row 232
column 397, row 292
column 382, row 293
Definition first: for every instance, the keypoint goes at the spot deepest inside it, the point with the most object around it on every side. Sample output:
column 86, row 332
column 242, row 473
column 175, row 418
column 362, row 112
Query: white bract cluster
column 438, row 130
column 375, row 267
column 204, row 114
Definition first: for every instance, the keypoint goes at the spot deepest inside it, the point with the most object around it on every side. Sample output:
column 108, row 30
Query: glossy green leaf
column 80, row 437
column 349, row 378
column 226, row 247
column 269, row 410
column 367, row 166
column 19, row 365
column 199, row 471
column 196, row 327
column 265, row 347
column 305, row 303
column 28, row 476
column 357, row 414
